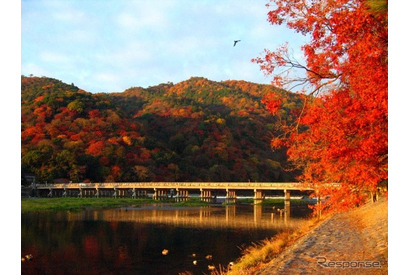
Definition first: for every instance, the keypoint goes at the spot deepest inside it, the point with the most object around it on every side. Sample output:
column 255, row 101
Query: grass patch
column 245, row 201
column 77, row 204
column 192, row 202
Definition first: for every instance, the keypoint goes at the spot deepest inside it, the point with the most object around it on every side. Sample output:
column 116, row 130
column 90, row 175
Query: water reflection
column 131, row 240
column 205, row 217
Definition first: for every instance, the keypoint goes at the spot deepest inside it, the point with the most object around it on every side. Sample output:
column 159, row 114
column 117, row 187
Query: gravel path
column 354, row 242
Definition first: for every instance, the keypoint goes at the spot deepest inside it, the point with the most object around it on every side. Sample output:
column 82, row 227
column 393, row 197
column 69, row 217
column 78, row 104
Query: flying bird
column 235, row 41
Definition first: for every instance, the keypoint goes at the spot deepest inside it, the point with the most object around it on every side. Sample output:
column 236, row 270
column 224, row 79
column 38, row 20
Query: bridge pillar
column 159, row 194
column 142, row 193
column 177, row 195
column 258, row 198
column 139, row 193
column 202, row 194
column 183, row 195
column 206, row 195
column 230, row 196
column 287, row 203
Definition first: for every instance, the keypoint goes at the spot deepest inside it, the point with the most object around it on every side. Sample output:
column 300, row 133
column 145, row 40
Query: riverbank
column 353, row 242
column 78, row 204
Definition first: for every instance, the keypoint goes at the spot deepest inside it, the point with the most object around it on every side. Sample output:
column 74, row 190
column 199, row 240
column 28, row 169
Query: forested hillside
column 196, row 130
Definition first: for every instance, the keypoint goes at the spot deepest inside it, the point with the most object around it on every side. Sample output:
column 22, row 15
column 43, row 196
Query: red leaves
column 40, row 98
column 43, row 112
column 277, row 143
column 95, row 148
column 272, row 102
column 94, row 114
column 344, row 136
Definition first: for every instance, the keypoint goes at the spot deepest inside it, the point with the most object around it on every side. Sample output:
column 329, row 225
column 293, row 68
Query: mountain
column 195, row 130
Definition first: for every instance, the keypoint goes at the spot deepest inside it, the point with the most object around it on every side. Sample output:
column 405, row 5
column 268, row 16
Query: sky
column 112, row 45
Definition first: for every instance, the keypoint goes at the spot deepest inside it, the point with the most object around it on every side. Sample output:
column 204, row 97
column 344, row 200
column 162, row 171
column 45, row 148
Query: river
column 134, row 240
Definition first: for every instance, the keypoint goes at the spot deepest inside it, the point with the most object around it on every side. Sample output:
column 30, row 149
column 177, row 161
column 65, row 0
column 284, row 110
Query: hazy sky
column 112, row 45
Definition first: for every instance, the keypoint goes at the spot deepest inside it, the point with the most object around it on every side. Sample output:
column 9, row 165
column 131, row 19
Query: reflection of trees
column 122, row 241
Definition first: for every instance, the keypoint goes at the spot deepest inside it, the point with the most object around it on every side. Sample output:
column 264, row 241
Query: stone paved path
column 344, row 239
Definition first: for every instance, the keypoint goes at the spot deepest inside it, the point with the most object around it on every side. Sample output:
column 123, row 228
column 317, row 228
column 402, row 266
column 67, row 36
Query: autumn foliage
column 195, row 130
column 340, row 134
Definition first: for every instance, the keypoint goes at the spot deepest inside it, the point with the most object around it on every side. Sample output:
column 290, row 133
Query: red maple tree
column 340, row 134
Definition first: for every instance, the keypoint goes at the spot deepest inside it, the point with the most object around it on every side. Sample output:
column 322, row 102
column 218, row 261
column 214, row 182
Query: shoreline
column 77, row 204
column 343, row 243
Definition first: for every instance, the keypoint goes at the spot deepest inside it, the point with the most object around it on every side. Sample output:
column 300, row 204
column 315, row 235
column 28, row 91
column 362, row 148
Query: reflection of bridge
column 179, row 191
column 203, row 217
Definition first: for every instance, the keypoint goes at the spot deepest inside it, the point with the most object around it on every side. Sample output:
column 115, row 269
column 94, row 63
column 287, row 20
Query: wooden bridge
column 180, row 191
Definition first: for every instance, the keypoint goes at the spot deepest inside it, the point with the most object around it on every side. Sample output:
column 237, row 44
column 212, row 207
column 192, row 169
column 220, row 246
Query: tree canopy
column 196, row 130
column 340, row 133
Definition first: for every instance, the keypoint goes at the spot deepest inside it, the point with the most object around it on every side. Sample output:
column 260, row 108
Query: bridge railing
column 183, row 185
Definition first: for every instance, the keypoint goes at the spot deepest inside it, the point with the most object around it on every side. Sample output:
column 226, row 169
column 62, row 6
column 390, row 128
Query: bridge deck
column 183, row 185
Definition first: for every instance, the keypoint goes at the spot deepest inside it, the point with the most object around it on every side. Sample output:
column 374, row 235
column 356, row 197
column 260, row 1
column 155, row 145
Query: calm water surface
column 131, row 240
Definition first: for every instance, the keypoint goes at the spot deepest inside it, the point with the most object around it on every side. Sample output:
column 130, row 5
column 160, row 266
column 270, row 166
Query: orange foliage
column 43, row 112
column 95, row 148
column 75, row 137
column 272, row 102
column 94, row 114
column 127, row 140
column 115, row 172
column 340, row 136
column 40, row 98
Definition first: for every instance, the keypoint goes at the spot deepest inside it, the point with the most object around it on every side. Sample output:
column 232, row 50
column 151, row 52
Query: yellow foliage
column 220, row 121
column 127, row 140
